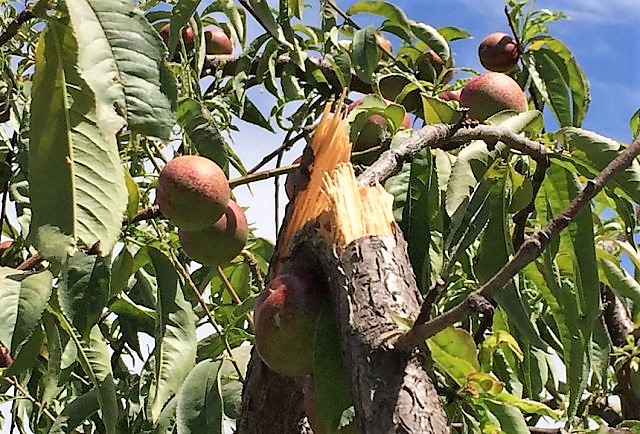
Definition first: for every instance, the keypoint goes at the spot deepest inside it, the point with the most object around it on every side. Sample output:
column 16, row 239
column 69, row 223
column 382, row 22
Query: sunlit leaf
column 176, row 343
column 24, row 296
column 81, row 193
column 199, row 402
column 454, row 351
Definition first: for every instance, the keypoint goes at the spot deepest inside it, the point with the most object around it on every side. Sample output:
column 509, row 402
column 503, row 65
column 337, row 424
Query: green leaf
column 451, row 33
column 391, row 12
column 201, row 129
column 330, row 381
column 24, row 297
column 437, row 111
column 574, row 296
column 475, row 158
column 634, row 123
column 365, row 53
column 176, row 343
column 575, row 77
column 591, row 153
column 267, row 20
column 231, row 381
column 511, row 419
column 430, row 36
column 81, row 192
column 199, row 402
column 84, row 289
column 454, row 351
column 557, row 91
column 526, row 405
column 180, row 14
column 133, row 195
column 612, row 273
column 94, row 359
column 111, row 33
column 78, row 410
column 421, row 204
column 494, row 251
column 167, row 420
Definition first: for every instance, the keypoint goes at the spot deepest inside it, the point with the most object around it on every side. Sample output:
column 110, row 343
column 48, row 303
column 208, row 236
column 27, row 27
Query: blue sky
column 603, row 35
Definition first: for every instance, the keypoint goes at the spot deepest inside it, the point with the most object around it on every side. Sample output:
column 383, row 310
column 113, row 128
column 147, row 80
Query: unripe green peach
column 488, row 94
column 192, row 192
column 219, row 243
column 372, row 132
column 430, row 65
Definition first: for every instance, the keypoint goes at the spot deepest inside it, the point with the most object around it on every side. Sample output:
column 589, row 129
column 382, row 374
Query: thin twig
column 259, row 176
column 228, row 64
column 194, row 289
column 447, row 137
column 30, row 262
column 233, row 292
column 14, row 26
column 15, row 383
column 530, row 250
column 286, row 145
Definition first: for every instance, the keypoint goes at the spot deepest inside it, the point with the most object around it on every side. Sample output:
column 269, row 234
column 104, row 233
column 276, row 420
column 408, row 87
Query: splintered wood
column 345, row 211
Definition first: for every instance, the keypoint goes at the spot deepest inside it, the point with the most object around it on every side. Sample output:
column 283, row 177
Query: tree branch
column 14, row 26
column 228, row 65
column 529, row 251
column 448, row 137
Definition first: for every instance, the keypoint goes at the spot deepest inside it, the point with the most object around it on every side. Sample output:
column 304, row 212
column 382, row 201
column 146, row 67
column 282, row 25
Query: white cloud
column 596, row 11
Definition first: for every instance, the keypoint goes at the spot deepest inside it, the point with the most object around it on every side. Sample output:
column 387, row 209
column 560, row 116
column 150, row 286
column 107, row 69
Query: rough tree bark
column 367, row 268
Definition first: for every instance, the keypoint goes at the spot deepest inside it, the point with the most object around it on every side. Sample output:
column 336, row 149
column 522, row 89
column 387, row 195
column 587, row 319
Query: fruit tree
column 457, row 252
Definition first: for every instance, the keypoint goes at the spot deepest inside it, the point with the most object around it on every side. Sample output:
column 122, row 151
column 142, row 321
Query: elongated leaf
column 201, row 129
column 591, row 152
column 84, row 289
column 576, row 295
column 180, row 14
column 94, row 359
column 391, row 12
column 175, row 350
column 24, row 297
column 557, row 91
column 167, row 420
column 199, row 402
column 365, row 53
column 612, row 273
column 122, row 59
column 430, row 36
column 75, row 412
column 494, row 252
column 510, row 418
column 76, row 180
column 232, row 381
column 634, row 123
column 422, row 201
column 577, row 81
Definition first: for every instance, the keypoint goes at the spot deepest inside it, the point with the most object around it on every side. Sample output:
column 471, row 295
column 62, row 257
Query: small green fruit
column 192, row 192
column 285, row 321
column 373, row 131
column 217, row 42
column 488, row 94
column 498, row 52
column 430, row 65
column 219, row 243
